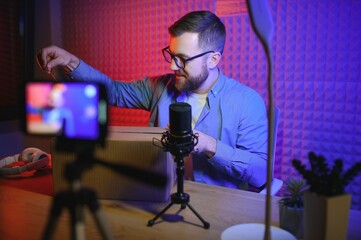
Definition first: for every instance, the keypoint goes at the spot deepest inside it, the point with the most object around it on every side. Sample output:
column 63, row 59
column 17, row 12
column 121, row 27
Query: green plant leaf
column 324, row 180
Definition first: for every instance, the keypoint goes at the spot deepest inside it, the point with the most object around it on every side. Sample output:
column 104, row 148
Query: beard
column 185, row 82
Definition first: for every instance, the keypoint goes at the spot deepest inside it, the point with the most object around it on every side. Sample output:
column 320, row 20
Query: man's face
column 56, row 98
column 196, row 71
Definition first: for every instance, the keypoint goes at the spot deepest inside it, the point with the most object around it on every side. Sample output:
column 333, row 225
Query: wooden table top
column 24, row 215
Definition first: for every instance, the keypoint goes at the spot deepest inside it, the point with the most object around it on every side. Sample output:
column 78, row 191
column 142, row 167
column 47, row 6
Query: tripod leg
column 152, row 221
column 205, row 224
column 55, row 211
column 102, row 225
column 78, row 224
column 98, row 214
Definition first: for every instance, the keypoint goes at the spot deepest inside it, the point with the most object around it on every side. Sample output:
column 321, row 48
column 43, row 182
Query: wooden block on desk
column 131, row 146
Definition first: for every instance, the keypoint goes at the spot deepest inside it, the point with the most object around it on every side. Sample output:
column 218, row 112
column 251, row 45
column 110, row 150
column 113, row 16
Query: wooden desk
column 23, row 215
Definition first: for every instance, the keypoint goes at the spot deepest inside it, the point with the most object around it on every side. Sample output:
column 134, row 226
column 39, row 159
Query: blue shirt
column 234, row 114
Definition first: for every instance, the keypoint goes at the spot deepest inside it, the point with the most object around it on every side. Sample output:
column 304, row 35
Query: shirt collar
column 219, row 84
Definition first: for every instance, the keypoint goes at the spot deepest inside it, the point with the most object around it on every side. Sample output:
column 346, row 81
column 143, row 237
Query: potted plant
column 326, row 203
column 291, row 207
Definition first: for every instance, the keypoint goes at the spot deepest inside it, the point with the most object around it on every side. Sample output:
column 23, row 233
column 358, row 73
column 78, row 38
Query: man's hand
column 53, row 56
column 206, row 144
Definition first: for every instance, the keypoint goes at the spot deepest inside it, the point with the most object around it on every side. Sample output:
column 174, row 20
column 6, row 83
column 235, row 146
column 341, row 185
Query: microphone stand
column 179, row 150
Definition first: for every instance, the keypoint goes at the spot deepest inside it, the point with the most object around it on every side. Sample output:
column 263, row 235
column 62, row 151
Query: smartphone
column 73, row 110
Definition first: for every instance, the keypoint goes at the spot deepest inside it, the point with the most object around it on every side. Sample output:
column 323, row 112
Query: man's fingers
column 40, row 60
column 43, row 58
column 54, row 62
column 49, row 58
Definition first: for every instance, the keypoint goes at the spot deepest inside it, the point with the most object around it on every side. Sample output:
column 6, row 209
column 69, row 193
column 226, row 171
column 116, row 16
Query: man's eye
column 181, row 58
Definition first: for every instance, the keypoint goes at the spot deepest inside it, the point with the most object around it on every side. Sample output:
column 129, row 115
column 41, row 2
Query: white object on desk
column 254, row 231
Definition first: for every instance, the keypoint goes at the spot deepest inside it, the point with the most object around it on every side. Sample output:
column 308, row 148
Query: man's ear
column 214, row 59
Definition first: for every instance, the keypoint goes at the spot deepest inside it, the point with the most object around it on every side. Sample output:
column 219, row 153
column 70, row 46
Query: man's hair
column 212, row 32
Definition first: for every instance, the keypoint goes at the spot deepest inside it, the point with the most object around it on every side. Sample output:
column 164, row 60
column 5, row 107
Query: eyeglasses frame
column 173, row 56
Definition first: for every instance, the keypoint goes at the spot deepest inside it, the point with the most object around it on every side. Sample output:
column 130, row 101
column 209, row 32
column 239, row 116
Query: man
column 230, row 118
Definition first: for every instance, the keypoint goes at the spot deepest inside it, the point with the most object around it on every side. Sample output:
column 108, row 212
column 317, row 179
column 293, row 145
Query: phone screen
column 74, row 110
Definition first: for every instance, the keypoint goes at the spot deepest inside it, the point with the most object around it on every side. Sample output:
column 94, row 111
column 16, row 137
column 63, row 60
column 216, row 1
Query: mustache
column 180, row 74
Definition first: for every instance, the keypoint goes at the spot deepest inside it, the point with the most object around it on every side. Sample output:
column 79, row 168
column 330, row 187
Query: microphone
column 180, row 122
column 180, row 140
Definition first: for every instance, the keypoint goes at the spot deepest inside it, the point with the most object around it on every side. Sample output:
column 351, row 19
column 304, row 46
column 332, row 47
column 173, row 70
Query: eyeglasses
column 179, row 61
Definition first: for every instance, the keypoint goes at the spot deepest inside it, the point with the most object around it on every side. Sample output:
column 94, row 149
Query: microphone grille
column 180, row 118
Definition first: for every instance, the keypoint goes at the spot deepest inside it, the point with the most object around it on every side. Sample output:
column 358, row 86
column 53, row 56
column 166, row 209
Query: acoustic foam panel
column 316, row 52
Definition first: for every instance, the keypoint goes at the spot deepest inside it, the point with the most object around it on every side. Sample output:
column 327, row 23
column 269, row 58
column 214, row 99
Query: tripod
column 75, row 199
column 180, row 197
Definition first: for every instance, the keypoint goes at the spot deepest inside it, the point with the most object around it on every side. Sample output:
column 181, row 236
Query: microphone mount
column 182, row 147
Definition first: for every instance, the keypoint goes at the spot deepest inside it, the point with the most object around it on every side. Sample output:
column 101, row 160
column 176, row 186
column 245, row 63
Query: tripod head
column 79, row 126
column 85, row 159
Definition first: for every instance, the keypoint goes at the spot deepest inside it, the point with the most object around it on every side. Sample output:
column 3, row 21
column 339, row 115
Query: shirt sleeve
column 247, row 159
column 135, row 94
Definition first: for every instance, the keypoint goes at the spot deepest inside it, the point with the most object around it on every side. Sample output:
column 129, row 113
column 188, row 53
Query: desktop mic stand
column 75, row 199
column 180, row 197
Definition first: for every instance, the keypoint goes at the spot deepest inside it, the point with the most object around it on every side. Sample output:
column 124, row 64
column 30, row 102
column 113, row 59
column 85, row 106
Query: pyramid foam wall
column 317, row 61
